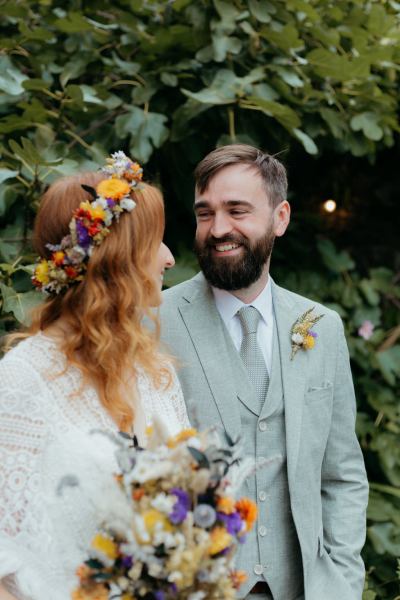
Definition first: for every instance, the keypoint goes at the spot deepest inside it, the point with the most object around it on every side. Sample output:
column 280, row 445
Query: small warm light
column 329, row 206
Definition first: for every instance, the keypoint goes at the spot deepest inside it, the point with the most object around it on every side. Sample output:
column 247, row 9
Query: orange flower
column 226, row 505
column 97, row 592
column 83, row 571
column 138, row 494
column 135, row 172
column 237, row 578
column 113, row 188
column 58, row 257
column 248, row 511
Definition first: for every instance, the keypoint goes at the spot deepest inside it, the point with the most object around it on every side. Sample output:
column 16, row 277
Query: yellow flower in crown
column 105, row 545
column 220, row 539
column 113, row 188
column 135, row 171
column 42, row 272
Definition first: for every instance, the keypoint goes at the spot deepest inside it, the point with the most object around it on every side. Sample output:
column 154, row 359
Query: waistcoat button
column 258, row 569
column 262, row 426
column 262, row 531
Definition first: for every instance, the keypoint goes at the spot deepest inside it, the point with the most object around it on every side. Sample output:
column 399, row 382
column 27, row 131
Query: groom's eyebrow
column 205, row 204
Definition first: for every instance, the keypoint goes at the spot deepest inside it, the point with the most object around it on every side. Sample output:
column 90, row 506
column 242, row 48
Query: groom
column 287, row 393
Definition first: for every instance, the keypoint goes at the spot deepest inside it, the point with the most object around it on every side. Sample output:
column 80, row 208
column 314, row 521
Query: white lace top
column 45, row 527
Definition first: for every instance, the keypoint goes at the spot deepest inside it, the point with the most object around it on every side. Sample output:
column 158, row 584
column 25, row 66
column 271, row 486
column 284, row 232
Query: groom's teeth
column 226, row 247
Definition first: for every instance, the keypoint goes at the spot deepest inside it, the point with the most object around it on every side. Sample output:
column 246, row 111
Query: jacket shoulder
column 304, row 303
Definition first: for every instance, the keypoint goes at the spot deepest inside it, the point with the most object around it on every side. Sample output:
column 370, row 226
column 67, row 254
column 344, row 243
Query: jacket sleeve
column 344, row 485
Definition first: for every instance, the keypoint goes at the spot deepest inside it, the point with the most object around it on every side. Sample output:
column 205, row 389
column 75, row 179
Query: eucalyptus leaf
column 19, row 304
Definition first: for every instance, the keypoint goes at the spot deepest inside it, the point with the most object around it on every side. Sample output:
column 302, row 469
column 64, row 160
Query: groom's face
column 236, row 228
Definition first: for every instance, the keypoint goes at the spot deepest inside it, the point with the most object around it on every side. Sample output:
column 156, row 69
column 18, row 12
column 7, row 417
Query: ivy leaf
column 19, row 304
column 337, row 261
column 368, row 123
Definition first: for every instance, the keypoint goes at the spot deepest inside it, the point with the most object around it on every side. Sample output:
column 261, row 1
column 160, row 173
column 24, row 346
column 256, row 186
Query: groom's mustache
column 211, row 241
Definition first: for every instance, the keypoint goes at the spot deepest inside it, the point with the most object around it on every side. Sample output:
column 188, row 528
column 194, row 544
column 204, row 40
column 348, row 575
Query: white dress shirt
column 228, row 305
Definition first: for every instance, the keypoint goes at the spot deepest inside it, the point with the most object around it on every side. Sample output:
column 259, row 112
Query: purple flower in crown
column 181, row 506
column 232, row 522
column 82, row 234
column 110, row 203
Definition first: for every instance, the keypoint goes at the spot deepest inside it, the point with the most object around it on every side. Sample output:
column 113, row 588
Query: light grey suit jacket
column 326, row 473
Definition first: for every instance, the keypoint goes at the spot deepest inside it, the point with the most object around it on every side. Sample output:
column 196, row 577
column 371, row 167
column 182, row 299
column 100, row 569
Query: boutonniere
column 301, row 334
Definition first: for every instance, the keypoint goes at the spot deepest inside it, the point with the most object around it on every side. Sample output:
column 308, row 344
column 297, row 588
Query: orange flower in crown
column 89, row 225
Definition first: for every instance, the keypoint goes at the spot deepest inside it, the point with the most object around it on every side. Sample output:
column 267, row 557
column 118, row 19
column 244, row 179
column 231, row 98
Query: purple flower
column 232, row 522
column 110, row 203
column 82, row 234
column 159, row 595
column 181, row 506
column 312, row 333
column 174, row 588
column 127, row 561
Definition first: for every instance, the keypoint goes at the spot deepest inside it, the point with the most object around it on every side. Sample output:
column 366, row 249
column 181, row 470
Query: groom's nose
column 221, row 225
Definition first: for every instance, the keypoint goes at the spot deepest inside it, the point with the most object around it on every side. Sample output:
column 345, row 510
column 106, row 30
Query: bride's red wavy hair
column 105, row 338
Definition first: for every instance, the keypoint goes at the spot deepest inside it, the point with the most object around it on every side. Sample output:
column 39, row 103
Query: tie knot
column 249, row 318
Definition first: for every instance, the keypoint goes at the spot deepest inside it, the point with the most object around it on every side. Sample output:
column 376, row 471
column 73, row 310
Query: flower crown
column 89, row 225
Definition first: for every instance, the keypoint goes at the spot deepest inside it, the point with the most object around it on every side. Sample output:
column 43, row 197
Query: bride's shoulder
column 31, row 359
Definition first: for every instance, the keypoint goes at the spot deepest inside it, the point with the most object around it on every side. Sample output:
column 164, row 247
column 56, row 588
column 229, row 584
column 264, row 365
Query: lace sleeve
column 23, row 432
column 178, row 401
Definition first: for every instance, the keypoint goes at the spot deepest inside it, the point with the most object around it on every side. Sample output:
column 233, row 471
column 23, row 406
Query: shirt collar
column 228, row 305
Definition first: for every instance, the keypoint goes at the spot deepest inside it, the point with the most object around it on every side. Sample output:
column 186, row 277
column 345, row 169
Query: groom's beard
column 237, row 272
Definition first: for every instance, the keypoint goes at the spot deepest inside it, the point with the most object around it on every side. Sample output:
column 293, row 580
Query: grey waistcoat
column 273, row 550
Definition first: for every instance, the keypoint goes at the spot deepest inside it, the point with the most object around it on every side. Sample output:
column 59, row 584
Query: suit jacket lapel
column 206, row 329
column 294, row 374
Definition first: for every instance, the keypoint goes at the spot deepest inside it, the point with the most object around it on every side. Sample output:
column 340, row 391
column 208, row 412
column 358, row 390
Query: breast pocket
column 319, row 393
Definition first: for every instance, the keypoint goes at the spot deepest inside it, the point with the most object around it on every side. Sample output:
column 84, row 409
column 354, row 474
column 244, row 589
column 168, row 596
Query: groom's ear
column 281, row 218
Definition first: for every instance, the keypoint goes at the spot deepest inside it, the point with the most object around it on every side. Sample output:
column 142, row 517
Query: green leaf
column 224, row 45
column 282, row 113
column 11, row 78
column 19, row 305
column 368, row 123
column 337, row 261
column 75, row 22
column 385, row 538
column 260, row 10
column 7, row 174
column 307, row 142
column 227, row 12
column 328, row 64
column 389, row 364
column 147, row 131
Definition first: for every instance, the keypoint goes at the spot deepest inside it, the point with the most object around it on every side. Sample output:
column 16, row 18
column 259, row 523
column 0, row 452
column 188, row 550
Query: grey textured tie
column 251, row 353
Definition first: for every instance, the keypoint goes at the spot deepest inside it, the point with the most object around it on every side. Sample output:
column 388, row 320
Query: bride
column 86, row 363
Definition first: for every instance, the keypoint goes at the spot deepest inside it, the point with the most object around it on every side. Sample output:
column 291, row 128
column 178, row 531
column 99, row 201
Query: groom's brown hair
column 271, row 170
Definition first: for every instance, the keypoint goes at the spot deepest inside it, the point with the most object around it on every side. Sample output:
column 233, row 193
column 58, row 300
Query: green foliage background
column 166, row 81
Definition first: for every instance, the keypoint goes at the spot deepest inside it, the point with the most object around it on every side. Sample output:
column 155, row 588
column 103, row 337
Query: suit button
column 262, row 496
column 262, row 531
column 262, row 426
column 258, row 569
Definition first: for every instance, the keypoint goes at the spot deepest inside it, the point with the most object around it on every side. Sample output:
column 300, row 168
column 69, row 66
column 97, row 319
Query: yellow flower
column 182, row 436
column 58, row 257
column 97, row 212
column 309, row 342
column 95, row 592
column 113, row 188
column 42, row 272
column 220, row 539
column 226, row 505
column 151, row 517
column 105, row 545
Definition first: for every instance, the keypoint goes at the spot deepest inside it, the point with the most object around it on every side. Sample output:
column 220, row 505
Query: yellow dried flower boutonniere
column 301, row 334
